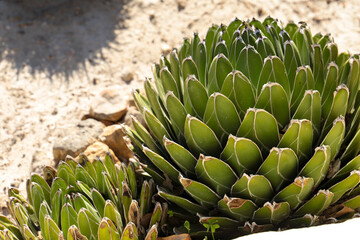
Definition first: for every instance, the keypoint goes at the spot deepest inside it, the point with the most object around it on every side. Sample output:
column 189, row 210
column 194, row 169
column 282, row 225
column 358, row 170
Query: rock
column 181, row 4
column 165, row 48
column 40, row 160
column 76, row 138
column 3, row 205
column 127, row 75
column 112, row 136
column 110, row 106
column 98, row 149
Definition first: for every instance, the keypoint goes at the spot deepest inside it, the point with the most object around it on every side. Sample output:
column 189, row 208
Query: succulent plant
column 256, row 127
column 98, row 200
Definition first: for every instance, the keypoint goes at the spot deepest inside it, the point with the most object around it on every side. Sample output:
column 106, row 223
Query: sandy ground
column 54, row 62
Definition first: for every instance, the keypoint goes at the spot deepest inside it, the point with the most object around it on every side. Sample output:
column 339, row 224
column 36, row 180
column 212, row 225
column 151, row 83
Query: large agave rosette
column 254, row 128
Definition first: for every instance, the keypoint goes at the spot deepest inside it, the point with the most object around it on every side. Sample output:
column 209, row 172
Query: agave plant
column 256, row 127
column 97, row 200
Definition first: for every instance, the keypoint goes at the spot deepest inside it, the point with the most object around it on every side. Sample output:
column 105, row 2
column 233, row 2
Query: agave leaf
column 296, row 192
column 56, row 204
column 156, row 127
column 318, row 67
column 126, row 200
column 177, row 114
column 331, row 82
column 183, row 202
column 303, row 45
column 280, row 167
column 84, row 176
column 113, row 214
column 88, row 223
column 237, row 45
column 200, row 138
column 340, row 188
column 81, row 202
column 354, row 164
column 181, row 156
column 330, row 53
column 273, row 99
column 168, row 82
column 216, row 174
column 140, row 100
column 51, row 230
column 239, row 90
column 28, row 234
column 220, row 67
column 316, row 204
column 261, row 127
column 7, row 224
column 228, row 33
column 223, row 222
column 37, row 195
column 353, row 82
column 264, row 47
column 254, row 187
column 44, row 186
column 248, row 35
column 84, row 189
column 197, row 96
column 352, row 149
column 304, row 79
column 98, row 201
column 189, row 68
column 210, row 40
column 65, row 172
column 291, row 28
column 242, row 154
column 274, row 71
column 250, row 63
column 200, row 192
column 221, row 48
column 145, row 198
column 273, row 213
column 152, row 234
column 310, row 109
column 291, row 61
column 299, row 137
column 107, row 230
column 156, row 215
column 200, row 60
column 75, row 234
column 237, row 208
column 353, row 203
column 134, row 213
column 68, row 218
column 335, row 136
column 305, row 221
column 221, row 116
column 130, row 232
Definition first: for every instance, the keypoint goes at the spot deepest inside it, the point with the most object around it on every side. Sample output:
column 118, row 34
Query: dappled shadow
column 58, row 39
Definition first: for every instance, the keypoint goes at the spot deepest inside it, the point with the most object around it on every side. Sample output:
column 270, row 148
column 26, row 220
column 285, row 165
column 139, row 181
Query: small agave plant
column 80, row 201
column 256, row 127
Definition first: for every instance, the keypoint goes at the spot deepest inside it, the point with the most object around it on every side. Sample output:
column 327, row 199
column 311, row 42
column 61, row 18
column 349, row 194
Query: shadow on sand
column 59, row 39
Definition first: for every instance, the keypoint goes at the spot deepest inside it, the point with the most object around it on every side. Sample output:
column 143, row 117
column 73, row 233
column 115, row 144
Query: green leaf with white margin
column 335, row 136
column 239, row 90
column 242, row 154
column 88, row 223
column 181, row 156
column 37, row 197
column 111, row 212
column 301, row 41
column 250, row 63
column 228, row 33
column 223, row 222
column 274, row 71
column 299, row 137
column 43, row 212
column 304, row 221
column 280, row 167
column 316, row 204
column 338, row 106
column 273, row 213
column 197, row 96
column 296, row 192
column 152, row 234
column 331, row 82
column 189, row 68
column 221, row 116
column 237, row 45
column 317, row 167
column 51, row 230
column 352, row 148
column 140, row 100
column 340, row 188
column 84, row 176
column 237, row 208
column 68, row 217
column 353, row 203
column 162, row 164
column 264, row 47
column 98, row 201
column 216, row 174
column 175, row 69
column 56, row 204
column 353, row 81
column 107, row 230
column 310, row 109
column 200, row 138
column 43, row 184
column 155, row 126
column 274, row 100
column 254, row 187
column 65, row 172
column 177, row 114
column 352, row 165
column 220, row 67
column 330, row 53
column 304, row 79
column 318, row 67
column 80, row 201
column 130, row 232
column 28, row 234
column 221, row 48
column 75, row 234
column 291, row 61
column 200, row 192
column 184, row 203
column 261, row 127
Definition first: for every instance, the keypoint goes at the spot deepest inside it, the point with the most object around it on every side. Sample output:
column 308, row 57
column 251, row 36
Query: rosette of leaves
column 98, row 200
column 256, row 127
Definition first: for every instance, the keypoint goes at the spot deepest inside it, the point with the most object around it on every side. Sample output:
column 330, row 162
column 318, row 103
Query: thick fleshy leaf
column 354, row 164
column 273, row 213
column 200, row 138
column 318, row 67
column 299, row 137
column 175, row 68
column 280, row 167
column 88, row 223
column 237, row 208
column 220, row 67
column 273, row 99
column 75, row 234
column 330, row 53
column 181, row 156
column 317, row 167
column 169, row 83
column 177, row 114
column 145, row 136
column 50, row 230
column 107, row 230
column 291, row 61
column 221, row 48
column 189, row 68
column 353, row 82
column 197, row 96
column 239, row 90
column 242, row 154
column 223, row 222
column 215, row 173
column 227, row 35
column 331, row 82
column 254, row 187
column 111, row 212
column 250, row 63
column 352, row 148
column 264, row 47
column 221, row 116
column 152, row 234
column 65, row 172
column 304, row 79
column 335, row 136
column 303, row 44
column 237, row 45
column 130, row 232
column 296, row 192
column 140, row 100
column 200, row 60
column 316, row 204
column 155, row 126
column 68, row 217
column 274, row 71
column 340, row 188
column 261, row 127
